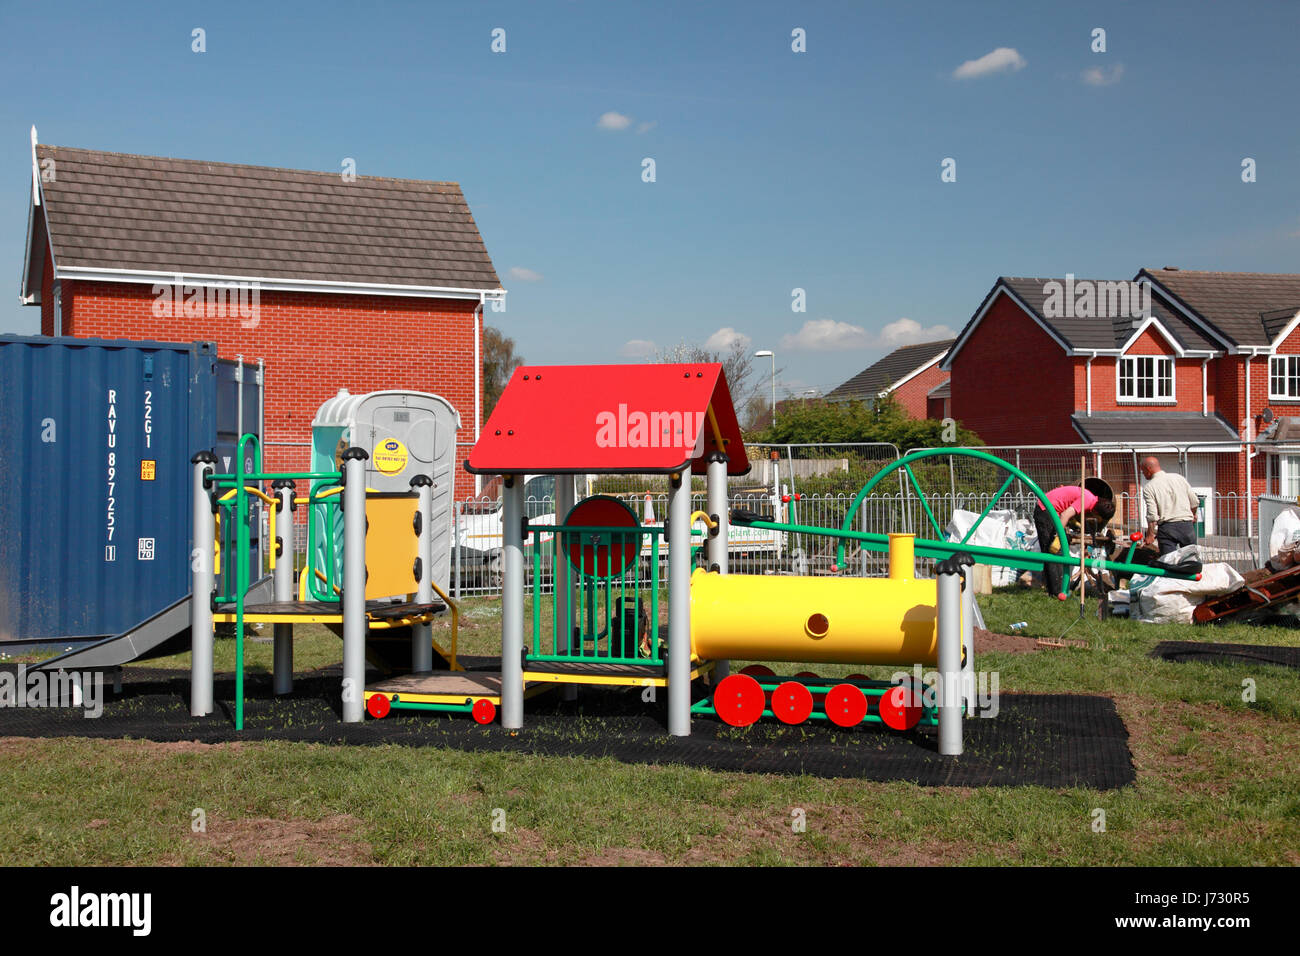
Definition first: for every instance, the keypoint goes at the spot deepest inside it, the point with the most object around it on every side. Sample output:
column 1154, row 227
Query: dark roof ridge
column 258, row 166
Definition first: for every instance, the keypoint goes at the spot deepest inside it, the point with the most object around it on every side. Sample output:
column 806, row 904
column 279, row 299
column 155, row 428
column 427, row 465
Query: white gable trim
column 152, row 277
column 1282, row 336
column 1000, row 289
column 914, row 373
column 1169, row 339
column 28, row 295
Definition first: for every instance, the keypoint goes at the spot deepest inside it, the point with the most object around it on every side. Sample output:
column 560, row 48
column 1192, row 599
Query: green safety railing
column 325, row 496
column 601, row 621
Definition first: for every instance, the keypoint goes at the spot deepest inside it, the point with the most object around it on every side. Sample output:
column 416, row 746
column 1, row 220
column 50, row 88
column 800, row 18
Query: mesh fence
column 816, row 485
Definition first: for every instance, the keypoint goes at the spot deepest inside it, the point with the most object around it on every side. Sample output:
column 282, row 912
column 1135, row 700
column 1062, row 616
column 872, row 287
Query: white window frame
column 1287, row 471
column 1156, row 377
column 1290, row 365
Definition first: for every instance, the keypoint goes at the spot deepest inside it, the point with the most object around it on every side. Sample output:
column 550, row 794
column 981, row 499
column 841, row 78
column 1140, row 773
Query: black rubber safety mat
column 1180, row 652
column 1051, row 740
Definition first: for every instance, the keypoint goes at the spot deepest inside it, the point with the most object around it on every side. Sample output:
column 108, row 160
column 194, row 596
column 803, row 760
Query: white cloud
column 826, row 335
column 612, row 120
column 723, row 340
column 1100, row 76
column 646, row 126
column 520, row 274
column 638, row 349
column 1002, row 60
column 909, row 332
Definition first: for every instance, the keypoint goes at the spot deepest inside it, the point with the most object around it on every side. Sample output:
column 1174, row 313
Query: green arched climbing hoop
column 905, row 464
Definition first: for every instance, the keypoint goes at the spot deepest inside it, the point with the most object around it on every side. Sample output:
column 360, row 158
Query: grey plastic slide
column 166, row 632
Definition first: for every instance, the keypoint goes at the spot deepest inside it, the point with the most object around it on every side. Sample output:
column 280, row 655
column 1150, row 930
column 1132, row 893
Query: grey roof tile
column 1144, row 427
column 118, row 211
column 1245, row 306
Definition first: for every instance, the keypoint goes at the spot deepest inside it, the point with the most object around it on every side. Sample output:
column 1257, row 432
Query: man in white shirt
column 1170, row 506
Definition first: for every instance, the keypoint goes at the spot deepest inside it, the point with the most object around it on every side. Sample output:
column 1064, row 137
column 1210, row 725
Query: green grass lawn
column 1217, row 782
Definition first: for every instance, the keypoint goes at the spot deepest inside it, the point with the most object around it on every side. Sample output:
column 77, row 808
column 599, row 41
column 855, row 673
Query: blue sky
column 775, row 170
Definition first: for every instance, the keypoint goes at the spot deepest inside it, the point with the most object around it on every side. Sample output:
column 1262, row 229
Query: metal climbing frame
column 337, row 602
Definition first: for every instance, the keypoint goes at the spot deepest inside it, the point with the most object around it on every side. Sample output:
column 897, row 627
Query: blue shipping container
column 95, row 444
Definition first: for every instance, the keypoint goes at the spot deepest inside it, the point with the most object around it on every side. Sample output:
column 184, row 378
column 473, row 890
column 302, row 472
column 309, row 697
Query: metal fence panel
column 815, row 484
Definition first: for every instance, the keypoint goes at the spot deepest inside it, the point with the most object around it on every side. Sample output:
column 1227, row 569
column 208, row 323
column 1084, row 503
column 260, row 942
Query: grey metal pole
column 512, row 603
column 354, row 584
column 282, row 669
column 679, row 604
column 455, row 548
column 561, row 582
column 422, row 634
column 719, row 506
column 949, row 686
column 773, row 388
column 201, row 588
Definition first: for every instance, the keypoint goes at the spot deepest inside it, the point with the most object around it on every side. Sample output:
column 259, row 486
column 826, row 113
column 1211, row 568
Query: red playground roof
column 555, row 419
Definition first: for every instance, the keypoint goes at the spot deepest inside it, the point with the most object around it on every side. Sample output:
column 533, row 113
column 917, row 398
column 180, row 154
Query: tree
column 499, row 363
column 737, row 364
column 820, row 421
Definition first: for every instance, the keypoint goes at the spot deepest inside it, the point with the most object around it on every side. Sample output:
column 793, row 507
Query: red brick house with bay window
column 362, row 283
column 1213, row 362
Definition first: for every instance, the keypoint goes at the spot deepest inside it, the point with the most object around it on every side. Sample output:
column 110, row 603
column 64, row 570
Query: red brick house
column 911, row 374
column 357, row 282
column 1196, row 361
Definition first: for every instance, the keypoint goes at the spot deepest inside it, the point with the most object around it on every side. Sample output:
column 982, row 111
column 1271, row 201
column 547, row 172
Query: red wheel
column 378, row 706
column 738, row 700
column 900, row 708
column 792, row 702
column 758, row 670
column 484, row 711
column 857, row 677
column 845, row 705
column 808, row 674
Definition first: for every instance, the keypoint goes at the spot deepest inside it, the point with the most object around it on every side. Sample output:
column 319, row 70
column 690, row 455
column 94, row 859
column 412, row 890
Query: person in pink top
column 1069, row 501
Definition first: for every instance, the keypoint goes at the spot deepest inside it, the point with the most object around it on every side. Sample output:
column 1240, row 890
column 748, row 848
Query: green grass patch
column 1217, row 782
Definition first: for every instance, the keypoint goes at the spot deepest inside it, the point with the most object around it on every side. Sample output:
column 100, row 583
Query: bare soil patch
column 265, row 841
column 988, row 642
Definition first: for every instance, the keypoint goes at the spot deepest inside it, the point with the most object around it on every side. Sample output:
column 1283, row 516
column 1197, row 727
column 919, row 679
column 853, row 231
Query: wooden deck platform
column 325, row 612
column 442, row 683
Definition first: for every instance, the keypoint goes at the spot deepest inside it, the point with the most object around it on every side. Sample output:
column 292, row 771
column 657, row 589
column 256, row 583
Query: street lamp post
column 768, row 353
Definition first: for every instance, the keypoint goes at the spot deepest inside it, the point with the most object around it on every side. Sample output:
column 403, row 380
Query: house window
column 1146, row 378
column 1284, row 377
column 1285, row 474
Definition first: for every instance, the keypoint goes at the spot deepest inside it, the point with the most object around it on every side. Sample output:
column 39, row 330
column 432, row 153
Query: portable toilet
column 405, row 434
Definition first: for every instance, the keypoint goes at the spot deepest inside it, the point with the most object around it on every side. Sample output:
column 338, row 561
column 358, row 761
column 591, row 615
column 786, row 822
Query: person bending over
column 1069, row 501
